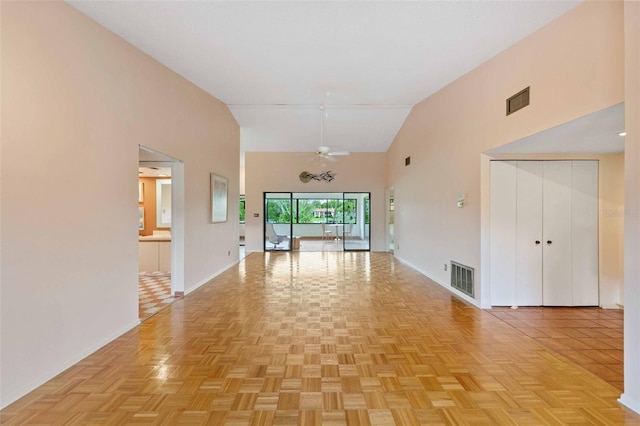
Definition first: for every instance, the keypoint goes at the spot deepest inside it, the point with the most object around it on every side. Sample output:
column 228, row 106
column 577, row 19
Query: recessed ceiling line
column 328, row 106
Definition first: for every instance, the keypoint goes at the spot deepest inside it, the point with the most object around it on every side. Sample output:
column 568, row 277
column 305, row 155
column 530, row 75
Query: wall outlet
column 445, row 266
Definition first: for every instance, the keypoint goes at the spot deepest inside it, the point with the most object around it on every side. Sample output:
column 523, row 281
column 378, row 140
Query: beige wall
column 279, row 172
column 574, row 66
column 631, row 396
column 76, row 102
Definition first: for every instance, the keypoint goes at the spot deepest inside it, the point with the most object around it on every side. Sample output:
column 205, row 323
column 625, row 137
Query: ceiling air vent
column 518, row 101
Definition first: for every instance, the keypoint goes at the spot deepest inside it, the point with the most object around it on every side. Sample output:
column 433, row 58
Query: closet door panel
column 503, row 232
column 584, row 233
column 556, row 239
column 529, row 234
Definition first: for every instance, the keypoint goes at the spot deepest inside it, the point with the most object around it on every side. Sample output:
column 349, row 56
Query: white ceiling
column 275, row 62
column 154, row 171
column 593, row 133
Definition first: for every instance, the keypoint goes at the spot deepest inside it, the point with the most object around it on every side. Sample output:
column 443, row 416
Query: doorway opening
column 160, row 231
column 311, row 221
column 242, row 213
column 390, row 220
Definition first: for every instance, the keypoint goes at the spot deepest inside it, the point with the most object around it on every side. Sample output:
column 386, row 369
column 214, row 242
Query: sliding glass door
column 356, row 218
column 313, row 221
column 278, row 215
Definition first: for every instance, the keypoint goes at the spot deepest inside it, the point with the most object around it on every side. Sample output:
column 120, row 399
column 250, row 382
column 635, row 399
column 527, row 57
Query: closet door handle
column 549, row 242
column 537, row 242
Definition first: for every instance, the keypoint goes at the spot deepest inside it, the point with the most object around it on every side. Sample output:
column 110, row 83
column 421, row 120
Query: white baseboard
column 445, row 285
column 210, row 277
column 632, row 404
column 612, row 306
column 19, row 393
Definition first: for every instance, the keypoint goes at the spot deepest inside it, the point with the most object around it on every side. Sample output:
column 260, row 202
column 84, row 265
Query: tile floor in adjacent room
column 590, row 337
column 323, row 338
column 154, row 293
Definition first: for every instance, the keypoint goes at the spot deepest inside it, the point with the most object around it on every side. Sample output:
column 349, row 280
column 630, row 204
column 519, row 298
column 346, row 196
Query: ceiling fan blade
column 339, row 153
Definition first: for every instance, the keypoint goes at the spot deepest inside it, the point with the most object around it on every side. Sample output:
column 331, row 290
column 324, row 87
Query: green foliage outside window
column 311, row 211
column 278, row 211
column 367, row 211
column 350, row 209
column 242, row 209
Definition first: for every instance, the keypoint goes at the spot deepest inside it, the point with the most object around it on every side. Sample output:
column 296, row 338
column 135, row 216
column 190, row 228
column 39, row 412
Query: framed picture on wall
column 140, row 218
column 140, row 192
column 218, row 198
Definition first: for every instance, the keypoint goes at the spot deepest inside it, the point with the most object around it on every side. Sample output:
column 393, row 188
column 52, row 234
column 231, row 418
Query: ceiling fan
column 324, row 151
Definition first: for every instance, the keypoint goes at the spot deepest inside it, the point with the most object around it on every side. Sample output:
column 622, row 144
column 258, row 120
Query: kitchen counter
column 143, row 238
column 154, row 253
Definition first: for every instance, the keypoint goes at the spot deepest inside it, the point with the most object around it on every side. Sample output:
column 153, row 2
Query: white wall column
column 631, row 396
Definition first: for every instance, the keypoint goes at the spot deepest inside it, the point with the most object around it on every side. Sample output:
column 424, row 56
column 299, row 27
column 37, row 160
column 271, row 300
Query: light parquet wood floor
column 322, row 338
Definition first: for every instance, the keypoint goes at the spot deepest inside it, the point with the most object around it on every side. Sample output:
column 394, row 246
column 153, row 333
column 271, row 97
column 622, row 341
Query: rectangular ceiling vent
column 518, row 101
column 462, row 278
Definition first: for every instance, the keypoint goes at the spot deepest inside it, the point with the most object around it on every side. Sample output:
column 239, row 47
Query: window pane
column 312, row 211
column 336, row 211
column 278, row 211
column 367, row 211
column 350, row 209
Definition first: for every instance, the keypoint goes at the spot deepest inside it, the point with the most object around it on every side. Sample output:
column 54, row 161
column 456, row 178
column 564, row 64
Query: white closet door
column 556, row 239
column 503, row 232
column 529, row 234
column 584, row 233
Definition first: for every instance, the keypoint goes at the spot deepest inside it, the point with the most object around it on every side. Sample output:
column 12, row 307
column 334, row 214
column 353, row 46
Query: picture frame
column 140, row 192
column 218, row 198
column 140, row 218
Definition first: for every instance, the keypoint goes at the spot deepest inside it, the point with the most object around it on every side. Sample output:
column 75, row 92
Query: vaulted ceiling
column 276, row 62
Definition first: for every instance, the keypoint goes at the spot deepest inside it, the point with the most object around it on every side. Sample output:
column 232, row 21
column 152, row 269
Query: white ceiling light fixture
column 622, row 134
column 323, row 151
column 151, row 171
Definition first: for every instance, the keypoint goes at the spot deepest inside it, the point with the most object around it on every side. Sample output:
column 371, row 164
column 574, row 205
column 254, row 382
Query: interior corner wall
column 76, row 102
column 574, row 66
column 631, row 396
column 280, row 172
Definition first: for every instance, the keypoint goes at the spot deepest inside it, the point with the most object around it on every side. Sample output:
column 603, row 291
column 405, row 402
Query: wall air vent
column 518, row 101
column 462, row 278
